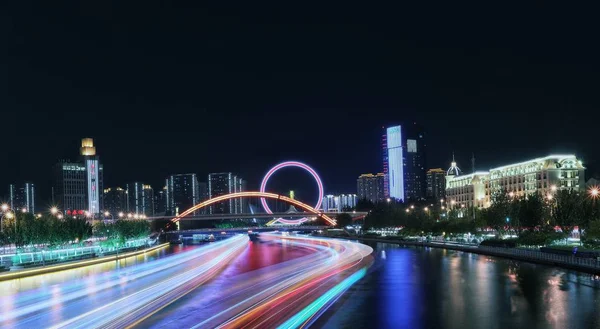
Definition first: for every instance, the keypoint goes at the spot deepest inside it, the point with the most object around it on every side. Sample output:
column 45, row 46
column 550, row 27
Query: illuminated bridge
column 308, row 210
column 274, row 215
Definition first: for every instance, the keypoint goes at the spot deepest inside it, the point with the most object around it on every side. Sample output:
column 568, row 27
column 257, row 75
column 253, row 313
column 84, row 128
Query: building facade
column 542, row 175
column 404, row 162
column 339, row 203
column 140, row 199
column 393, row 163
column 415, row 177
column 436, row 184
column 115, row 200
column 22, row 198
column 160, row 201
column 226, row 183
column 182, row 193
column 78, row 186
column 371, row 187
column 148, row 200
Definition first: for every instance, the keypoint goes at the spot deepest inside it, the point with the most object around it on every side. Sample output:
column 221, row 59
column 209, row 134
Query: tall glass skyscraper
column 404, row 162
column 182, row 193
column 22, row 198
column 393, row 166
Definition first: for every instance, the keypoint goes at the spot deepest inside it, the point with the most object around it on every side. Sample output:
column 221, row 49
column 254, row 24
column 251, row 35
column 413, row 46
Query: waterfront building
column 371, row 187
column 22, row 198
column 339, row 203
column 160, row 201
column 148, row 200
column 182, row 193
column 404, row 162
column 226, row 183
column 115, row 200
column 78, row 185
column 541, row 175
column 436, row 184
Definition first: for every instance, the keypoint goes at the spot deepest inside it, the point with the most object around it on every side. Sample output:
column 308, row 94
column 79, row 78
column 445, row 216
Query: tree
column 567, row 209
column 531, row 211
column 343, row 219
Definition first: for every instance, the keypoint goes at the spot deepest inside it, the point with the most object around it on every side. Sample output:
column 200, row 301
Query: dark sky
column 166, row 89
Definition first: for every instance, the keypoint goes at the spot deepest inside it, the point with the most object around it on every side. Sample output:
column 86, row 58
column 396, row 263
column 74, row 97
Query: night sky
column 167, row 90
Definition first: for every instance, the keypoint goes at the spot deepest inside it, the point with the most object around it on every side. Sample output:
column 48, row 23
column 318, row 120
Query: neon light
column 254, row 194
column 286, row 164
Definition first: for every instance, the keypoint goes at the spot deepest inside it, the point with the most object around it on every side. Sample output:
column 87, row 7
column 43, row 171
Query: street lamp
column 511, row 194
column 388, row 200
column 129, row 215
column 412, row 206
column 407, row 210
column 4, row 207
column 54, row 210
column 121, row 214
column 59, row 216
column 9, row 215
column 23, row 210
column 553, row 188
column 426, row 209
column 594, row 192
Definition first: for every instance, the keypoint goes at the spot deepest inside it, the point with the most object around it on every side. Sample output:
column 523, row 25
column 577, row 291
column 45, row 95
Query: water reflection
column 431, row 288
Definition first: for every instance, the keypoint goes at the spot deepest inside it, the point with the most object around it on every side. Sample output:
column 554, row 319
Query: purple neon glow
column 286, row 164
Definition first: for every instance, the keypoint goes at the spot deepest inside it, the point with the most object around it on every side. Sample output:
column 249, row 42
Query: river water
column 415, row 287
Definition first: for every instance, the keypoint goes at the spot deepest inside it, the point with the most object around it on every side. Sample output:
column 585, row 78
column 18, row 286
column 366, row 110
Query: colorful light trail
column 289, row 293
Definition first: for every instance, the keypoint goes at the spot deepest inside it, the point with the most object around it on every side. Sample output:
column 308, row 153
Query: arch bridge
column 264, row 195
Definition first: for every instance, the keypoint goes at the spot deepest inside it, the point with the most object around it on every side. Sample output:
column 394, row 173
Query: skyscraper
column 148, row 200
column 370, row 187
column 135, row 198
column 404, row 162
column 22, row 198
column 78, row 185
column 436, row 183
column 226, row 183
column 115, row 200
column 160, row 201
column 415, row 178
column 393, row 166
column 182, row 193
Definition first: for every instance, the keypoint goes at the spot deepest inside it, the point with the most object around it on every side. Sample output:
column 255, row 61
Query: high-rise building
column 160, row 201
column 404, row 162
column 78, row 185
column 542, row 175
column 415, row 178
column 182, row 193
column 226, row 183
column 371, row 187
column 148, row 200
column 115, row 200
column 436, row 184
column 22, row 198
column 339, row 203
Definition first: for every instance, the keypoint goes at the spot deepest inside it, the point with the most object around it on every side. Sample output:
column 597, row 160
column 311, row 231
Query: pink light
column 286, row 164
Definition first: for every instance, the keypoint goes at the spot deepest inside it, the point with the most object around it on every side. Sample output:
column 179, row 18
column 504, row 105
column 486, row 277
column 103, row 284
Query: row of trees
column 28, row 230
column 565, row 209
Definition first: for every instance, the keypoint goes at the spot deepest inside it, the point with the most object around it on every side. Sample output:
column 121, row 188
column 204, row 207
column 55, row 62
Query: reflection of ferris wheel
column 263, row 186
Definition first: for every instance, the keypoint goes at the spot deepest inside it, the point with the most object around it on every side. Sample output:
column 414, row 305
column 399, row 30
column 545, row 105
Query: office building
column 542, row 175
column 436, row 184
column 22, row 198
column 182, row 193
column 393, row 167
column 226, row 183
column 415, row 178
column 371, row 187
column 78, row 185
column 339, row 203
column 115, row 200
column 404, row 162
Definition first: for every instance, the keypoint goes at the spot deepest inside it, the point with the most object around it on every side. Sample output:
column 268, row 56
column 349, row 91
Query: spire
column 453, row 170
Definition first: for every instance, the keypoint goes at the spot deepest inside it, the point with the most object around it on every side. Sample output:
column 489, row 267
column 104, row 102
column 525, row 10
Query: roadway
column 230, row 283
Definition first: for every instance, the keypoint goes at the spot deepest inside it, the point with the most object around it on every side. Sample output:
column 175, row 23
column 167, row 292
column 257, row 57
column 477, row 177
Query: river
column 415, row 287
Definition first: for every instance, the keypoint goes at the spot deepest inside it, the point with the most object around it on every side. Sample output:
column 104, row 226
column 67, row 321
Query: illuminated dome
column 453, row 170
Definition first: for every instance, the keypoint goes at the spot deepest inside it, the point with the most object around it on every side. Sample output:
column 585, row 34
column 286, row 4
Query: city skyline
column 173, row 112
